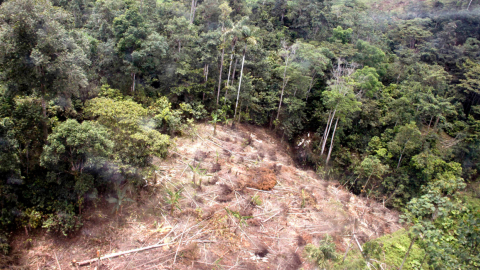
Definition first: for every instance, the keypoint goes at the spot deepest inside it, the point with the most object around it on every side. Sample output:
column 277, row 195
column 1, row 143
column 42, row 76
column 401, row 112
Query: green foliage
column 120, row 200
column 324, row 253
column 4, row 246
column 130, row 128
column 64, row 221
column 107, row 92
column 173, row 199
column 341, row 35
column 366, row 81
column 256, row 200
column 72, row 147
column 196, row 170
column 166, row 118
column 390, row 249
column 236, row 214
column 399, row 100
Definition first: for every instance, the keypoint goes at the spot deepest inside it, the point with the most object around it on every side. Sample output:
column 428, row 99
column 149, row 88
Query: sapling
column 173, row 198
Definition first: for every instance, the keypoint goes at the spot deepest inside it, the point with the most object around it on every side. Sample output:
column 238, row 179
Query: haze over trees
column 91, row 90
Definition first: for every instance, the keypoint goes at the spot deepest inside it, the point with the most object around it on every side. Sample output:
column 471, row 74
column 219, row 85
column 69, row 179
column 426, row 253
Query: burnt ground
column 254, row 209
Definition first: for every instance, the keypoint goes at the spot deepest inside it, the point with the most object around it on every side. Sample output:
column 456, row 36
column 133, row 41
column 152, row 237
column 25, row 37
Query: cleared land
column 254, row 209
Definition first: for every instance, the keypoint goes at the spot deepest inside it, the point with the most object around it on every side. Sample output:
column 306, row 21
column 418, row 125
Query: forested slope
column 381, row 95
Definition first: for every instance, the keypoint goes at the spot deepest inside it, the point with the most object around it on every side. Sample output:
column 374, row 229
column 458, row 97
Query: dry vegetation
column 253, row 210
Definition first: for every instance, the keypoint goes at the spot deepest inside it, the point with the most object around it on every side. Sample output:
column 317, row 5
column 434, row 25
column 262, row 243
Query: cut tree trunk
column 113, row 255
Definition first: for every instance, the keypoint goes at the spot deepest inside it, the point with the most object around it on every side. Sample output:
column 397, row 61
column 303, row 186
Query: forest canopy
column 389, row 95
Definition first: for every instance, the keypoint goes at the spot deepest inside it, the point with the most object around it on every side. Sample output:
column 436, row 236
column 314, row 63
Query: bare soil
column 254, row 210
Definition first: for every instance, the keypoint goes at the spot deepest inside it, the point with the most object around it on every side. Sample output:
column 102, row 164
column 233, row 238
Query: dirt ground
column 253, row 210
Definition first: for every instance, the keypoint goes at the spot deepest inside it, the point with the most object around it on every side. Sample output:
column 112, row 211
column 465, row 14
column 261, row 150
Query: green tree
column 340, row 99
column 406, row 141
column 72, row 146
column 372, row 166
column 37, row 52
column 131, row 129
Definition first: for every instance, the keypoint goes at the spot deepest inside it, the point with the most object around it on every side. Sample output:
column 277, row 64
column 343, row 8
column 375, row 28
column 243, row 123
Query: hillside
column 227, row 223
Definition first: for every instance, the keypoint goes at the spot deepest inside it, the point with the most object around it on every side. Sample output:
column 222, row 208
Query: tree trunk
column 240, row 82
column 230, row 66
column 220, row 75
column 328, row 132
column 331, row 142
column 401, row 154
column 324, row 136
column 430, row 123
column 399, row 160
column 191, row 11
column 133, row 82
column 436, row 123
column 310, row 87
column 234, row 70
column 408, row 251
column 193, row 8
column 44, row 112
column 205, row 73
column 469, row 4
column 283, row 87
column 233, row 77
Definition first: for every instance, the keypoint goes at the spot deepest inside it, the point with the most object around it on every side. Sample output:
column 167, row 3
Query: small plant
column 256, row 200
column 226, row 121
column 214, row 121
column 304, row 197
column 4, row 246
column 236, row 214
column 173, row 197
column 323, row 253
column 198, row 171
column 192, row 128
column 64, row 221
column 121, row 198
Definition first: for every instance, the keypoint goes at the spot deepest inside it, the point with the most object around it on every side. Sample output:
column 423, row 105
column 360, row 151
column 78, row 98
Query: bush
column 323, row 253
column 4, row 246
column 64, row 221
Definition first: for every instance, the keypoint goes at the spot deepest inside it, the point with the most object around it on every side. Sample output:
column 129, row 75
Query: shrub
column 323, row 253
column 64, row 221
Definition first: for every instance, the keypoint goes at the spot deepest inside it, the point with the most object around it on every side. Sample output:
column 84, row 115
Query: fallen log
column 113, row 255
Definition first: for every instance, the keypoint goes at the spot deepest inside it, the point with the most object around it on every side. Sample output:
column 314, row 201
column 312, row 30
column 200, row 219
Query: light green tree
column 131, row 128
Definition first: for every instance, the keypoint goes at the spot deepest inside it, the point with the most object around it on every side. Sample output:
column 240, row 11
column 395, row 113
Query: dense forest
column 382, row 96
